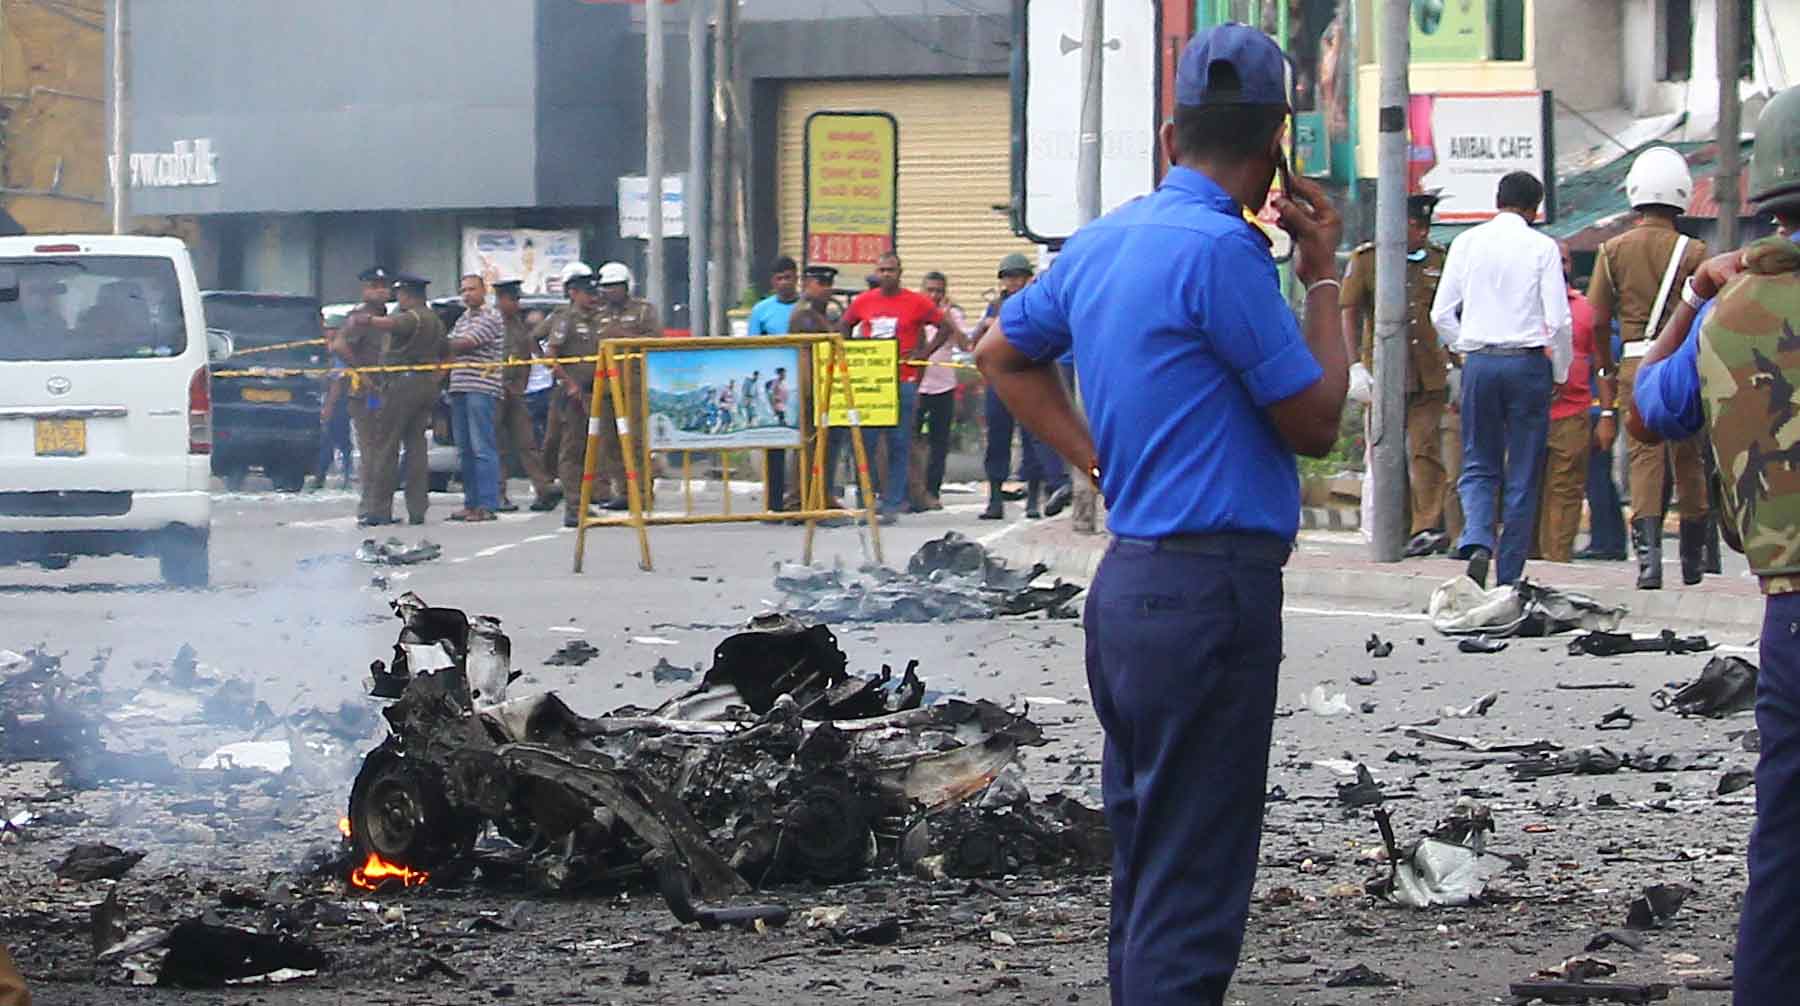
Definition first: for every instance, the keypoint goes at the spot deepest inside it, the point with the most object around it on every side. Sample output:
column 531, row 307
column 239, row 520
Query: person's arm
column 1018, row 355
column 1446, row 306
column 1708, row 280
column 650, row 325
column 1600, row 299
column 946, row 329
column 1553, row 296
column 1309, row 420
column 551, row 328
column 847, row 322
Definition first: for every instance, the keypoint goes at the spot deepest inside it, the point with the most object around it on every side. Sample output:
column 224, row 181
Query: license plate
column 268, row 395
column 61, row 438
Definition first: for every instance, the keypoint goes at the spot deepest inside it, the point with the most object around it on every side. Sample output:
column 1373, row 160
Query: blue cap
column 1249, row 55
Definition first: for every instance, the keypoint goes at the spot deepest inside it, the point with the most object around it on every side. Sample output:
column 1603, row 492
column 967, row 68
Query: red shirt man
column 1577, row 393
column 890, row 311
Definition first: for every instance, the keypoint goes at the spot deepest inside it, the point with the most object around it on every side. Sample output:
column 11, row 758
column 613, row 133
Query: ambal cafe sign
column 1463, row 143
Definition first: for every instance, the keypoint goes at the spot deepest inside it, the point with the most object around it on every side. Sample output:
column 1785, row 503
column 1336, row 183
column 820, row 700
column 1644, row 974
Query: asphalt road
column 301, row 621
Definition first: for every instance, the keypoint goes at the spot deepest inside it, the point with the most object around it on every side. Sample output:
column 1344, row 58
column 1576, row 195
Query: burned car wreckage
column 779, row 766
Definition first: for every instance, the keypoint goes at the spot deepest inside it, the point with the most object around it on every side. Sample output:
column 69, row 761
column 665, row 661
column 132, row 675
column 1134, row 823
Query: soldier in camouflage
column 1729, row 361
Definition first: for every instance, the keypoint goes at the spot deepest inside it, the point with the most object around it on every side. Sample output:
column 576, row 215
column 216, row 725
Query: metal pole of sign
column 653, row 150
column 1084, row 508
column 1387, row 428
column 121, row 212
column 720, row 153
column 1725, row 183
column 694, row 192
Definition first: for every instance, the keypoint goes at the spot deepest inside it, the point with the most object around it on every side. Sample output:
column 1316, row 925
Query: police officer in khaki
column 513, row 422
column 623, row 316
column 415, row 337
column 359, row 345
column 1435, row 513
column 1637, row 274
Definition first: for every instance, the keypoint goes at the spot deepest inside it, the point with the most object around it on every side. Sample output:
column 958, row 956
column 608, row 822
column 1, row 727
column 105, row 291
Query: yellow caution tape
column 400, row 368
column 297, row 343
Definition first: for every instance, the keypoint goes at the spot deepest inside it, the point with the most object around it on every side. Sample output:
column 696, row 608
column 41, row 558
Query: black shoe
column 416, row 521
column 548, row 501
column 1012, row 495
column 1589, row 555
column 570, row 520
column 1693, row 551
column 1426, row 542
column 1478, row 565
column 1032, row 491
column 1059, row 500
column 996, row 510
column 1646, row 541
column 507, row 506
column 375, row 521
column 616, row 503
column 1713, row 558
column 887, row 517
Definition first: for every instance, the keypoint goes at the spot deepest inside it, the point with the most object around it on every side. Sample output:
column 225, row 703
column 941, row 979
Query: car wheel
column 289, row 477
column 184, row 558
column 234, row 477
column 440, row 482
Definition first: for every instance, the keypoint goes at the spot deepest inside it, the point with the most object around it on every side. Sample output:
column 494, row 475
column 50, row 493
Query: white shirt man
column 1503, row 287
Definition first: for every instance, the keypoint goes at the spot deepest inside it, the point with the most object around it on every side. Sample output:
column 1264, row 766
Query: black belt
column 1508, row 351
column 1224, row 544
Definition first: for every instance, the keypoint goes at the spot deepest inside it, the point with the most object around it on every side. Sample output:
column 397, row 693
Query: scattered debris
column 1726, row 685
column 1432, row 872
column 1460, row 607
column 1361, row 793
column 664, row 672
column 1361, row 976
column 1622, row 937
column 1591, row 760
column 1481, row 746
column 1480, row 644
column 1320, row 704
column 1365, row 679
column 204, row 955
column 1580, row 969
column 947, row 579
column 1618, row 718
column 1751, row 740
column 97, row 861
column 1376, row 647
column 395, row 552
column 1479, row 707
column 573, row 653
column 1585, row 991
column 1591, row 686
column 1613, row 644
column 1736, row 779
column 1657, row 906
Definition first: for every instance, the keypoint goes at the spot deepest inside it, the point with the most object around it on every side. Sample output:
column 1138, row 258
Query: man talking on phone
column 1200, row 388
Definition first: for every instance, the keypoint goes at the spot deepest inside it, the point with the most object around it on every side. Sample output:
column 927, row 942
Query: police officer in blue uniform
column 1200, row 388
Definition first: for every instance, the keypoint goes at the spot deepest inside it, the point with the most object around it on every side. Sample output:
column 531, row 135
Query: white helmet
column 1659, row 177
column 615, row 272
column 574, row 269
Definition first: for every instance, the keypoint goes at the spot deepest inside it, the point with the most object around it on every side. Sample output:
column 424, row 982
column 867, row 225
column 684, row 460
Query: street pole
column 720, row 155
column 121, row 173
column 653, row 149
column 1387, row 427
column 694, row 192
column 1083, row 502
column 1725, row 183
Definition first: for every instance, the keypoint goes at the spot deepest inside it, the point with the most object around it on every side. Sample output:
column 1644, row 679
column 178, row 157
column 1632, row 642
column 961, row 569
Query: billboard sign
column 536, row 257
column 1462, row 143
column 852, row 178
column 634, row 206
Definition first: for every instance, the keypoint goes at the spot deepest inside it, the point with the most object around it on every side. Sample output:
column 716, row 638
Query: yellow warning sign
column 874, row 376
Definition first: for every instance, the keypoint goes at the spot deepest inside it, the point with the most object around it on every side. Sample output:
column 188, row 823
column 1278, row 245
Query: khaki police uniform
column 364, row 392
column 573, row 331
column 513, row 421
column 1627, row 273
column 1431, row 475
column 407, row 400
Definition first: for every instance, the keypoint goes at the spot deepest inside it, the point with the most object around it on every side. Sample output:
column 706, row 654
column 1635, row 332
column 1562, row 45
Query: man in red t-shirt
column 1565, row 460
column 890, row 311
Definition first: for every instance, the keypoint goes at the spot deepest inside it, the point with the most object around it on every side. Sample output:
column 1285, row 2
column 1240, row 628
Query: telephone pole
column 694, row 191
column 720, row 153
column 121, row 173
column 1084, row 495
column 653, row 150
column 1725, row 183
column 1387, row 425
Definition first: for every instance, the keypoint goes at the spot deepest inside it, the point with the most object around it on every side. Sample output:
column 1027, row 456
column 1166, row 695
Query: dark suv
column 267, row 421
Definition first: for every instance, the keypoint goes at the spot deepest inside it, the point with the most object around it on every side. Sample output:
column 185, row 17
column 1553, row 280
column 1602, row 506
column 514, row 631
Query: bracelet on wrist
column 1330, row 281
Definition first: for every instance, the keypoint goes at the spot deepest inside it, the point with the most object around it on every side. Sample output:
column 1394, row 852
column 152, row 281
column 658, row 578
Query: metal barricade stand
column 620, row 374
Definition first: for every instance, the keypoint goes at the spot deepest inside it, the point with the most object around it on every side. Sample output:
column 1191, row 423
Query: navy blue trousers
column 1767, row 964
column 1183, row 652
column 1606, row 512
column 1037, row 462
column 1505, row 423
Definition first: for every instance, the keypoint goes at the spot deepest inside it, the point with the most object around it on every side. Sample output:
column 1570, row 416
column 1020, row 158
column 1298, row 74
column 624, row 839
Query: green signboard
column 1450, row 31
column 1312, row 145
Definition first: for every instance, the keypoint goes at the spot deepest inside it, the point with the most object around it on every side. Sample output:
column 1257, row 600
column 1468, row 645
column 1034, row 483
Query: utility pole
column 653, row 149
column 1084, row 499
column 720, row 152
column 694, row 191
column 1387, row 427
column 1725, row 183
column 121, row 173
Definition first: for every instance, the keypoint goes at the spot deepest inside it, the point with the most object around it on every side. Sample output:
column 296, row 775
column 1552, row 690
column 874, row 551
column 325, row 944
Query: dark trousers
column 1606, row 514
column 1505, row 422
column 1037, row 462
column 401, row 422
column 1183, row 651
column 935, row 414
column 776, row 461
column 1766, row 968
column 334, row 439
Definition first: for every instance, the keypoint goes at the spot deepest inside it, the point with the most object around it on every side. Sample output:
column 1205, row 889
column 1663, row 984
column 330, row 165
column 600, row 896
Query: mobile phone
column 1287, row 176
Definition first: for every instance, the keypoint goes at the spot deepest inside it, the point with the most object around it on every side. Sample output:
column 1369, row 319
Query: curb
column 1411, row 591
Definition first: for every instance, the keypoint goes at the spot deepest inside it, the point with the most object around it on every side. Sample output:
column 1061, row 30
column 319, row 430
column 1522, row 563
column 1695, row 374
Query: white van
column 105, row 403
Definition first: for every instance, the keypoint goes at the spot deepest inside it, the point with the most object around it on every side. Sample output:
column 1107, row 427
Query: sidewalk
column 1335, row 565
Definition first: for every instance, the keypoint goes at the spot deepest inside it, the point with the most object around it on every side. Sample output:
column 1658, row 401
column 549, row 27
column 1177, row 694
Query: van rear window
column 90, row 307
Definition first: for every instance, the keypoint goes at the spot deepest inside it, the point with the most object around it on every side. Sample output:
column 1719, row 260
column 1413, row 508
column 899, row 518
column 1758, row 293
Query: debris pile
column 1460, row 607
column 948, row 579
column 779, row 766
column 395, row 552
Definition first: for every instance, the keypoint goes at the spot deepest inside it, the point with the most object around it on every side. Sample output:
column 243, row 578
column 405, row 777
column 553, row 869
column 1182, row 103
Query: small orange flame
column 344, row 826
column 373, row 873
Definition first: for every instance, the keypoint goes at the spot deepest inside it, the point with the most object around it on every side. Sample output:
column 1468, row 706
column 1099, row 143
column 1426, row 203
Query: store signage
column 191, row 162
column 1462, row 144
column 852, row 189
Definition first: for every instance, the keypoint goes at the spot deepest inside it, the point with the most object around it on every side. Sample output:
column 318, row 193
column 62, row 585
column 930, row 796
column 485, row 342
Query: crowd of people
column 1479, row 443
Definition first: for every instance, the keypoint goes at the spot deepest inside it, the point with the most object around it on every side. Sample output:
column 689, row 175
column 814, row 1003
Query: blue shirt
column 1667, row 392
column 770, row 316
column 1182, row 339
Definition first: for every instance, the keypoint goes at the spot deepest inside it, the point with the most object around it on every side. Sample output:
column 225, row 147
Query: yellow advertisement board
column 852, row 189
column 874, row 377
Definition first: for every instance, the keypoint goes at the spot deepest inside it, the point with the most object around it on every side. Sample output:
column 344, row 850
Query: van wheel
column 184, row 559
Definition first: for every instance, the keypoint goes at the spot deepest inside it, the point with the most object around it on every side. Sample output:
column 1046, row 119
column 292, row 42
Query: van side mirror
column 219, row 345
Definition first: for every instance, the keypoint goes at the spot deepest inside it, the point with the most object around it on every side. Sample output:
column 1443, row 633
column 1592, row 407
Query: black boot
column 1712, row 557
column 1033, row 490
column 1693, row 551
column 1477, row 570
column 996, row 509
column 1646, row 542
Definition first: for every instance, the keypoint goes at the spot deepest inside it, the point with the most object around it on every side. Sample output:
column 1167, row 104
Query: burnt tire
column 400, row 811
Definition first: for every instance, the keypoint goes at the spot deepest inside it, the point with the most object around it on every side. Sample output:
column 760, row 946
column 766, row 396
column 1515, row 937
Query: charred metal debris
column 948, row 579
column 779, row 766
